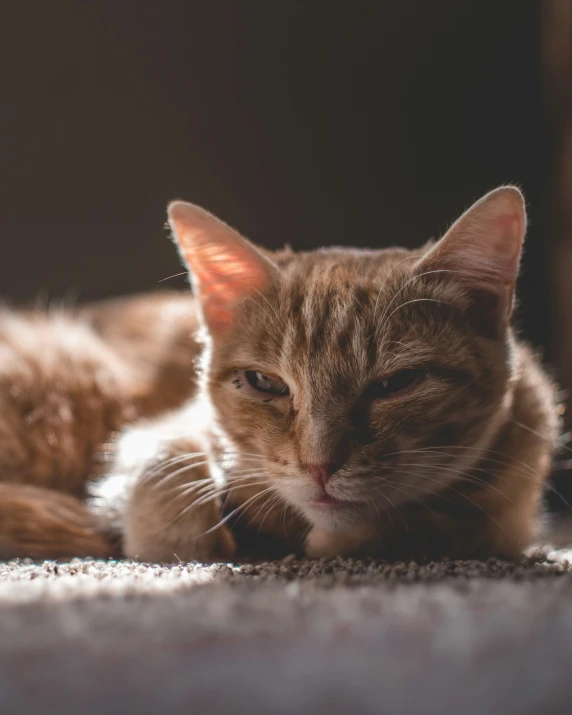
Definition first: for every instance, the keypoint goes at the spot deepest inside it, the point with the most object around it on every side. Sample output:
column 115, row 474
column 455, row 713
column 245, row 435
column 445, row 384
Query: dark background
column 326, row 122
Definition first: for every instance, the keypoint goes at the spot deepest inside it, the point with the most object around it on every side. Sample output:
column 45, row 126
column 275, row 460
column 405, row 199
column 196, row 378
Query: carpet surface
column 337, row 636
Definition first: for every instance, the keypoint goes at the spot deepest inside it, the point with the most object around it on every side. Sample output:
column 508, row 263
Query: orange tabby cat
column 339, row 401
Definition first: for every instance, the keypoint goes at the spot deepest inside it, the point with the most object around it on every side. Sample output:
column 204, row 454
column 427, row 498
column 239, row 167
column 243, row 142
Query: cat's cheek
column 260, row 422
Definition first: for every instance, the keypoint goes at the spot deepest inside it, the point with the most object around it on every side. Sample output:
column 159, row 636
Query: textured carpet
column 339, row 636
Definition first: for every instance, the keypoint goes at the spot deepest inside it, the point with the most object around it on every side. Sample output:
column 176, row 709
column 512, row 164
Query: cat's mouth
column 325, row 501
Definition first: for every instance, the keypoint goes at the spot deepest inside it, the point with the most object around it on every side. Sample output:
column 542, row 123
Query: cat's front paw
column 218, row 545
column 160, row 498
column 169, row 545
column 155, row 532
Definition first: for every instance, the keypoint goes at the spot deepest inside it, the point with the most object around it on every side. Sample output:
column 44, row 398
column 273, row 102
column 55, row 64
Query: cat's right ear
column 224, row 267
column 482, row 251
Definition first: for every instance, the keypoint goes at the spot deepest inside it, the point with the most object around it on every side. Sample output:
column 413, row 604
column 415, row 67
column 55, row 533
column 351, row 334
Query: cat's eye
column 265, row 384
column 395, row 384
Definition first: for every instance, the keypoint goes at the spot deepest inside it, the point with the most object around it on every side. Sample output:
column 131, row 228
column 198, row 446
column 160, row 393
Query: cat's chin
column 335, row 514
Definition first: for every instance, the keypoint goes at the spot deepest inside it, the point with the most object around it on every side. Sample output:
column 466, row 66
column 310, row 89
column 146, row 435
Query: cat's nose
column 321, row 473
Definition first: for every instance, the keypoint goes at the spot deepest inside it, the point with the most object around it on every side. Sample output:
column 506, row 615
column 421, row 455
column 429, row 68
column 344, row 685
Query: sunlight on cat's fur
column 335, row 401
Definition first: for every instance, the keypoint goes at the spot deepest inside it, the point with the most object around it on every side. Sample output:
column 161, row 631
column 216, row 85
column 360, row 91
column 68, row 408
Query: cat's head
column 355, row 380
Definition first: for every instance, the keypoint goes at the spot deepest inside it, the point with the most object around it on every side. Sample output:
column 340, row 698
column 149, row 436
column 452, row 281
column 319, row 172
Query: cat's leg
column 504, row 532
column 174, row 512
column 40, row 523
column 502, row 535
column 160, row 498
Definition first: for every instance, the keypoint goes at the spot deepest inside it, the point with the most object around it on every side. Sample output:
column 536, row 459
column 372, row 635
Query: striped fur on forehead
column 341, row 320
column 330, row 300
column 347, row 314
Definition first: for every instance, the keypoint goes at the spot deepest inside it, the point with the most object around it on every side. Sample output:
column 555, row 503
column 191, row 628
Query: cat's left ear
column 482, row 251
column 224, row 267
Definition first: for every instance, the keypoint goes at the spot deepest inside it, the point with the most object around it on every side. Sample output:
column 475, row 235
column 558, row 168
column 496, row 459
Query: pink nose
column 321, row 473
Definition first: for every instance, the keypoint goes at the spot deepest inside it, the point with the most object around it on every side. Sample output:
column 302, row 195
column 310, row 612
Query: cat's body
column 338, row 401
column 69, row 380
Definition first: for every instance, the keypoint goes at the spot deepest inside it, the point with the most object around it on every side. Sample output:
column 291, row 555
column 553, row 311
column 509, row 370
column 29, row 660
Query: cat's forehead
column 341, row 276
column 326, row 314
column 327, row 310
column 330, row 322
column 334, row 266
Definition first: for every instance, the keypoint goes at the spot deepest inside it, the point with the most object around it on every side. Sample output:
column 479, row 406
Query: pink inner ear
column 507, row 230
column 486, row 239
column 223, row 283
column 482, row 249
column 225, row 268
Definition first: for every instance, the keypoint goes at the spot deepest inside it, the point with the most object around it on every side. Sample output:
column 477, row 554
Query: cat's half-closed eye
column 394, row 385
column 265, row 385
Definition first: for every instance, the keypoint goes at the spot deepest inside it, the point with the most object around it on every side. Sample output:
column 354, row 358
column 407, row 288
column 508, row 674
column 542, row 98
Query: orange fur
column 454, row 465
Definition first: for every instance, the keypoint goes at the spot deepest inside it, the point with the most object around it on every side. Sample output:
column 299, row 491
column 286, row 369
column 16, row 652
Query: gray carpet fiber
column 338, row 636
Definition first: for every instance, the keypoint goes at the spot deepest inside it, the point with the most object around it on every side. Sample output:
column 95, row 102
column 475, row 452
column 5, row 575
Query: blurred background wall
column 308, row 122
